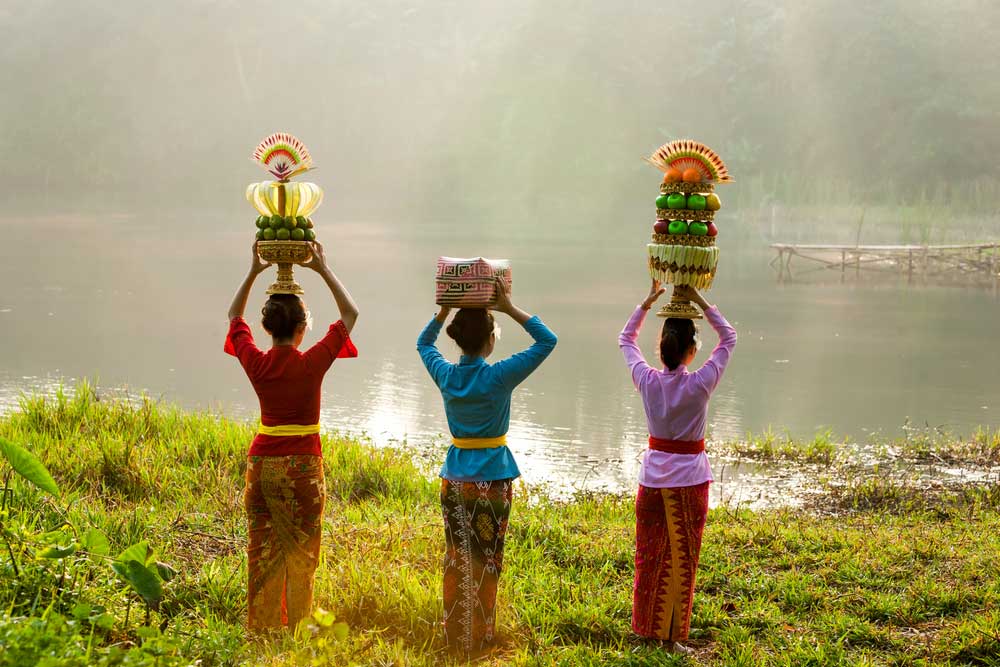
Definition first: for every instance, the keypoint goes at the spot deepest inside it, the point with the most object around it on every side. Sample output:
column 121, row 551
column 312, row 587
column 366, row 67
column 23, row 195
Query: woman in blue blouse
column 479, row 469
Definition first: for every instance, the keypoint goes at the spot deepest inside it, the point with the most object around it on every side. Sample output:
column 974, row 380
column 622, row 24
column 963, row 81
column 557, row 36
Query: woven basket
column 684, row 239
column 684, row 214
column 686, row 188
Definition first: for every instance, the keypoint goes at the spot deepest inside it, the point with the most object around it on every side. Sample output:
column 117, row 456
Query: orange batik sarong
column 284, row 500
column 669, row 527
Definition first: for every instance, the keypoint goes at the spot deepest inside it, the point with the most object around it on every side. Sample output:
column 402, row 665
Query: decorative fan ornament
column 684, row 155
column 283, row 155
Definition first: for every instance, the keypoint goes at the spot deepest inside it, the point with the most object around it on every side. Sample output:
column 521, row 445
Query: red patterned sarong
column 668, row 524
column 475, row 523
column 284, row 500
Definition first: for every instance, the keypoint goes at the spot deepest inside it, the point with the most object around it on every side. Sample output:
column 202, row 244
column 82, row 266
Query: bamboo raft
column 968, row 263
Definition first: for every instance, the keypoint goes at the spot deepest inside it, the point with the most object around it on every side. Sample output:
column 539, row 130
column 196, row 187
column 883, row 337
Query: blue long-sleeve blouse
column 477, row 400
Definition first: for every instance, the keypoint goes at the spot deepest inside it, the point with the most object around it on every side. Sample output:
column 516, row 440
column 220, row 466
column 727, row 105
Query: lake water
column 140, row 302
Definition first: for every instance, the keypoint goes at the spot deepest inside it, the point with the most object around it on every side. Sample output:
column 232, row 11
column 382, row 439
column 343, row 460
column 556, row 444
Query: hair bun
column 676, row 341
column 471, row 329
column 283, row 314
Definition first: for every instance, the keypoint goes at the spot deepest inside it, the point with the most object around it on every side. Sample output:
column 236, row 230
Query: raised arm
column 433, row 360
column 630, row 334
column 239, row 304
column 516, row 368
column 711, row 372
column 345, row 303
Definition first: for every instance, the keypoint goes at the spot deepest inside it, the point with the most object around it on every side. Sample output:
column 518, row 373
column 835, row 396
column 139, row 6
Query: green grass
column 769, row 446
column 877, row 578
column 915, row 446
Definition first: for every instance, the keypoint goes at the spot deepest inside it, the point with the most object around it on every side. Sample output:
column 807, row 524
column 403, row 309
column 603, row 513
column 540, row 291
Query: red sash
column 677, row 446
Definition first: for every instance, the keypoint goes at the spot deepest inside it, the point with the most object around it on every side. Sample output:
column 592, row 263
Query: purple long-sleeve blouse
column 676, row 403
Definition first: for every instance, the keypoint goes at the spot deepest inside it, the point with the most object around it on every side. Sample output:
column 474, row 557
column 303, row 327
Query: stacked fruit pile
column 683, row 250
column 289, row 228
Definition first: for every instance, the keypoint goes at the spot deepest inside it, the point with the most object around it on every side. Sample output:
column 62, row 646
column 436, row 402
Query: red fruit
column 661, row 226
column 712, row 229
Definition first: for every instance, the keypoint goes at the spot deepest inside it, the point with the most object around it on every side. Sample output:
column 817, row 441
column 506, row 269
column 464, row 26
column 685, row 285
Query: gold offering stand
column 284, row 254
column 679, row 306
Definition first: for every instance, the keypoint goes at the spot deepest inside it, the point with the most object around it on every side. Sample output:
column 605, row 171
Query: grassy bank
column 883, row 584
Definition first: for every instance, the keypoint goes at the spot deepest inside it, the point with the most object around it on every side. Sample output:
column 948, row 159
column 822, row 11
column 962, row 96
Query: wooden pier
column 977, row 263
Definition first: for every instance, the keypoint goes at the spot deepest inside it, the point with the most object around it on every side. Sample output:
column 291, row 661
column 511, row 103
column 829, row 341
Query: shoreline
column 766, row 470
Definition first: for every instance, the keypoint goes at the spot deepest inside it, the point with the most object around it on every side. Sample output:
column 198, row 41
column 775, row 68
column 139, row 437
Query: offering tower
column 284, row 227
column 683, row 250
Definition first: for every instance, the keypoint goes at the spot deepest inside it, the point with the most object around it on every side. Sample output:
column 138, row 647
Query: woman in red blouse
column 285, row 490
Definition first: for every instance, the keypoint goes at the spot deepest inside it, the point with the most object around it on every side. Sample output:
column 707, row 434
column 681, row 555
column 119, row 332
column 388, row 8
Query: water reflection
column 146, row 309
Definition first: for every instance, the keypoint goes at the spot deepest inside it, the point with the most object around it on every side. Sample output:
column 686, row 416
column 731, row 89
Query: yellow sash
column 288, row 429
column 480, row 443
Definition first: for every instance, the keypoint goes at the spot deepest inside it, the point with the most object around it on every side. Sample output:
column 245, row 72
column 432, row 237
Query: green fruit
column 310, row 235
column 262, row 221
column 268, row 234
column 290, row 223
column 298, row 234
column 676, row 200
column 678, row 227
column 696, row 203
column 282, row 234
column 300, row 221
column 662, row 201
column 276, row 221
column 260, row 234
column 698, row 229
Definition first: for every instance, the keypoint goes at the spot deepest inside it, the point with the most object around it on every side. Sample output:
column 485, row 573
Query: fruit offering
column 284, row 204
column 683, row 251
column 284, row 226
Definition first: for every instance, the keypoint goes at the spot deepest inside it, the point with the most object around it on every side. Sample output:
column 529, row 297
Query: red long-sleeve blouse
column 288, row 384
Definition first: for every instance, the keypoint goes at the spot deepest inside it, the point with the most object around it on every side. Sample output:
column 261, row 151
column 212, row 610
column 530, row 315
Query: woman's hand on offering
column 318, row 260
column 656, row 290
column 506, row 306
column 503, row 304
column 691, row 294
column 257, row 265
column 443, row 314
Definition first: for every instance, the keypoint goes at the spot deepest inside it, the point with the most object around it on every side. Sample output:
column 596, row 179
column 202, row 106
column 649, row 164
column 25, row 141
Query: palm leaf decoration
column 283, row 156
column 686, row 154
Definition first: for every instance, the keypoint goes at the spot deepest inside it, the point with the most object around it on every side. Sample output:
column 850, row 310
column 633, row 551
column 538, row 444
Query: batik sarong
column 284, row 500
column 475, row 523
column 669, row 527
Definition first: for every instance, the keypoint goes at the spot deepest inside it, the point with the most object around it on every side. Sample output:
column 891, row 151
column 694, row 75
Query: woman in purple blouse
column 672, row 502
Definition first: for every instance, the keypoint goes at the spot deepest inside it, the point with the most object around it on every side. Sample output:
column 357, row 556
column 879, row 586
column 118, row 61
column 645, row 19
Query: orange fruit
column 672, row 175
column 691, row 175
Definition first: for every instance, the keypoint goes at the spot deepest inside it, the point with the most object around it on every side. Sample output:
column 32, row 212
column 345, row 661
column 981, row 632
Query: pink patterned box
column 469, row 283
